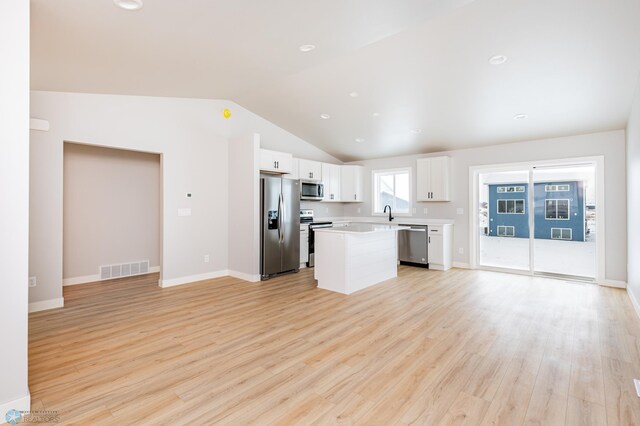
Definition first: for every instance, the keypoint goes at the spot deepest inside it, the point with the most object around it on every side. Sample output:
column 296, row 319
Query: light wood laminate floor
column 456, row 347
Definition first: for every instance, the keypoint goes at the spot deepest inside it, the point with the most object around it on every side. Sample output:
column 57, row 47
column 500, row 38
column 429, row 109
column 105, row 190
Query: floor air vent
column 124, row 270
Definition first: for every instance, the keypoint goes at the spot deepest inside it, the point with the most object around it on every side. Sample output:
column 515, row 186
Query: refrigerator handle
column 284, row 217
column 280, row 213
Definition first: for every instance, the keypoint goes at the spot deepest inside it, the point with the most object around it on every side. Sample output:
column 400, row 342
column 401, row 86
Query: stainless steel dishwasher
column 412, row 245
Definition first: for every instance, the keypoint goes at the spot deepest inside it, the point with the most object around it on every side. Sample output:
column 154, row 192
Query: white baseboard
column 193, row 278
column 20, row 404
column 634, row 302
column 44, row 305
column 461, row 265
column 244, row 276
column 614, row 283
column 94, row 278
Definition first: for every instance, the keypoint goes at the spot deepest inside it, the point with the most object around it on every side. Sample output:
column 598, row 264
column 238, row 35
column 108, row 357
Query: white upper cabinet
column 275, row 162
column 293, row 174
column 352, row 178
column 331, row 180
column 309, row 170
column 434, row 179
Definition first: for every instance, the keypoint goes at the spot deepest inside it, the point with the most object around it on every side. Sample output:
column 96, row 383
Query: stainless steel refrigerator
column 280, row 226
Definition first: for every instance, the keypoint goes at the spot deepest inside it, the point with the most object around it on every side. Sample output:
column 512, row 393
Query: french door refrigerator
column 280, row 226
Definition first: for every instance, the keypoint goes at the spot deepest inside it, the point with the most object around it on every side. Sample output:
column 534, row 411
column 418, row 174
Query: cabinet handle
column 355, row 196
column 275, row 164
column 310, row 175
column 429, row 240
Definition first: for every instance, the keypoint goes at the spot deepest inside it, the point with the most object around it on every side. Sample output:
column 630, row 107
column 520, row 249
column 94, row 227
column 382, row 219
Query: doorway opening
column 541, row 218
column 112, row 220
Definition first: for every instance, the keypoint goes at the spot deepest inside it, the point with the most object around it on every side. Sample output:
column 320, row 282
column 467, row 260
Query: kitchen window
column 556, row 210
column 392, row 187
column 510, row 206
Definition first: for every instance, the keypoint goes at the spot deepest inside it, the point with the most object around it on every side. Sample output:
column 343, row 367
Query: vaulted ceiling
column 420, row 68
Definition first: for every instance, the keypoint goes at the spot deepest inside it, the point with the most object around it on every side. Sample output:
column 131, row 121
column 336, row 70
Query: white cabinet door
column 295, row 163
column 440, row 246
column 304, row 243
column 309, row 170
column 275, row 162
column 351, row 178
column 331, row 180
column 433, row 179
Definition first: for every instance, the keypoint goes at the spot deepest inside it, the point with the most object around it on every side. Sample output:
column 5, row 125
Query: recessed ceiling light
column 520, row 116
column 376, row 114
column 129, row 4
column 307, row 47
column 416, row 131
column 497, row 60
column 354, row 94
column 359, row 140
column 325, row 116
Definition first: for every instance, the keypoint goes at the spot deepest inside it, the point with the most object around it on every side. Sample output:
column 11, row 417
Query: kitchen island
column 353, row 257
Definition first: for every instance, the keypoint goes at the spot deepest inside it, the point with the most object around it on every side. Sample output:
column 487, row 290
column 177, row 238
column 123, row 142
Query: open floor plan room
column 304, row 212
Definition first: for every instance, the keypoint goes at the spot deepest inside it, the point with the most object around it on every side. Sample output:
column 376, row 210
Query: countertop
column 384, row 220
column 363, row 228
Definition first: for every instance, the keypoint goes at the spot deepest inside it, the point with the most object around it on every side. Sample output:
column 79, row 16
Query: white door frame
column 474, row 172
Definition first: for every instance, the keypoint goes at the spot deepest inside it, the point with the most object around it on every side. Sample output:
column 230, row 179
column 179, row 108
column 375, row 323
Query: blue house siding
column 559, row 210
column 519, row 221
column 545, row 203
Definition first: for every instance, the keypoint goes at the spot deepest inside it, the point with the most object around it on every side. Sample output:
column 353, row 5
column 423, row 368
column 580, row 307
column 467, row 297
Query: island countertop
column 362, row 228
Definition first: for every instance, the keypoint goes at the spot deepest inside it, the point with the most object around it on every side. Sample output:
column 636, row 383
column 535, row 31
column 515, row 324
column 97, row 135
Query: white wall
column 193, row 137
column 111, row 209
column 14, row 214
column 633, row 197
column 609, row 144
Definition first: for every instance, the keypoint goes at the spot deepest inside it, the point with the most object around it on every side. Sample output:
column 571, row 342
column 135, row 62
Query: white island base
column 354, row 257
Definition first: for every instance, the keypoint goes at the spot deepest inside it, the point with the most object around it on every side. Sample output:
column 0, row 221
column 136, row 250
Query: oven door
column 311, row 191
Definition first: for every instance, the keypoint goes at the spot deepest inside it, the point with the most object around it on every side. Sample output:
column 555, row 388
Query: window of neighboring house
column 557, row 188
column 556, row 209
column 510, row 206
column 561, row 233
column 393, row 188
column 506, row 231
column 503, row 189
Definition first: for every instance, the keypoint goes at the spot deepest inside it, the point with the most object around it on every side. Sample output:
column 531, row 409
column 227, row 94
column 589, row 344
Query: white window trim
column 524, row 205
column 505, row 227
column 556, row 200
column 562, row 229
column 373, row 191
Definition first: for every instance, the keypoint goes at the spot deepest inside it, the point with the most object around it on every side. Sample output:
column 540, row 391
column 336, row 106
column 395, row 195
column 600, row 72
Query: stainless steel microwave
column 311, row 190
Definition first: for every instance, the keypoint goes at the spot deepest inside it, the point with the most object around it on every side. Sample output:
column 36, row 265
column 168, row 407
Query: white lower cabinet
column 440, row 246
column 304, row 245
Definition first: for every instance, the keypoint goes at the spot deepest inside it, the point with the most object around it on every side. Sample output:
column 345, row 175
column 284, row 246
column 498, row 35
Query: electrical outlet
column 414, row 210
column 460, row 250
column 359, row 210
column 33, row 281
column 425, row 210
column 460, row 210
column 206, row 258
column 326, row 209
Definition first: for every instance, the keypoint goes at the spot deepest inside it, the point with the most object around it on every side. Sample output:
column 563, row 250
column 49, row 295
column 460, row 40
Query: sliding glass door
column 538, row 220
column 565, row 220
column 503, row 231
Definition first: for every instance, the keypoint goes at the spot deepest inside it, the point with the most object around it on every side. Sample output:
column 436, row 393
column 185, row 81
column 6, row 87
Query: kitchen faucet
column 385, row 210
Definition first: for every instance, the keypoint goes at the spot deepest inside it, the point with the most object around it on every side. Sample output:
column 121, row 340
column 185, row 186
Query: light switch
column 460, row 210
column 184, row 212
